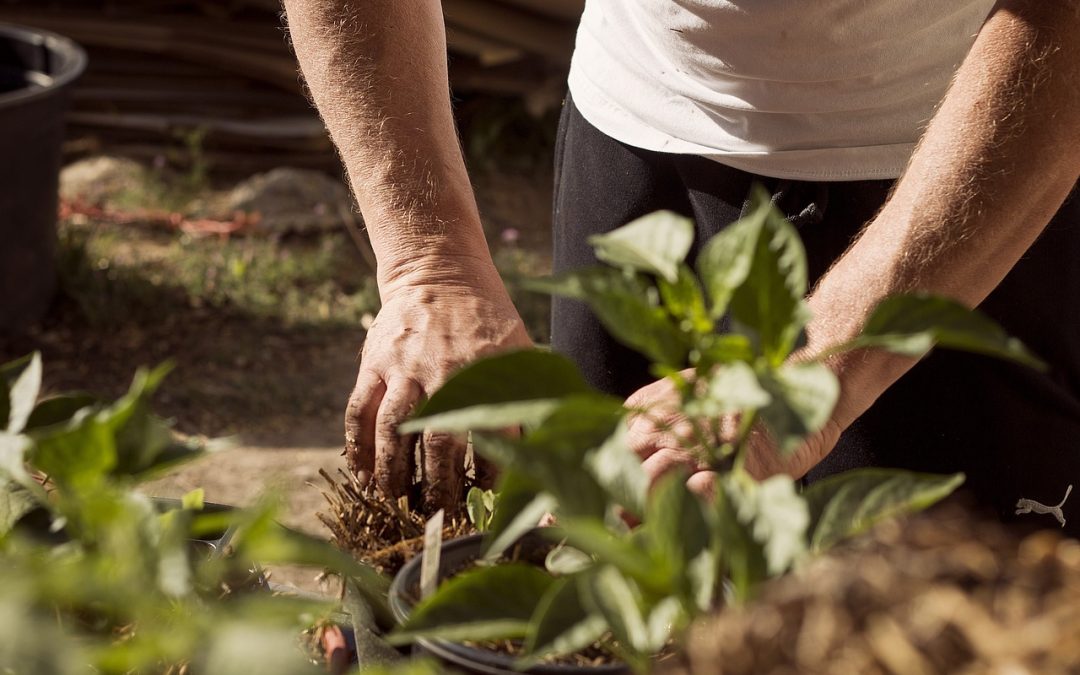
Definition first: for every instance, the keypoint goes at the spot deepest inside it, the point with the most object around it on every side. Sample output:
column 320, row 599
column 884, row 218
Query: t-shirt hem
column 621, row 125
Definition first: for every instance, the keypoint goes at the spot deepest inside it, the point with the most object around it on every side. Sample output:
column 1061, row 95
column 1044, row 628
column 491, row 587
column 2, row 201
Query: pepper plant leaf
column 488, row 417
column 618, row 470
column 666, row 618
column 803, row 396
column 725, row 261
column 776, row 515
column 730, row 388
column 616, row 598
column 627, row 553
column 655, row 244
column 769, row 303
column 676, row 528
column 561, row 623
column 565, row 560
column 483, row 603
column 522, row 503
column 58, row 409
column 628, row 306
column 912, row 324
column 520, row 375
column 580, row 423
column 25, row 385
column 718, row 348
column 850, row 503
column 574, row 490
column 79, row 452
column 15, row 502
column 685, row 300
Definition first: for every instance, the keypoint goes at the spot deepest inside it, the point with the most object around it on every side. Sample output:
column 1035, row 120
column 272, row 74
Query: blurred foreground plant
column 634, row 590
column 97, row 576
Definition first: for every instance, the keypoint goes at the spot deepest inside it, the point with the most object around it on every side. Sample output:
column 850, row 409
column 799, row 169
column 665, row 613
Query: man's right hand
column 425, row 331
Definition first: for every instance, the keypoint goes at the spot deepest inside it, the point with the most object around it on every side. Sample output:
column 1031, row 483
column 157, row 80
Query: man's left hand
column 665, row 440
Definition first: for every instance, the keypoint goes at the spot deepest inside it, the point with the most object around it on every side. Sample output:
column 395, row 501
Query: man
column 683, row 105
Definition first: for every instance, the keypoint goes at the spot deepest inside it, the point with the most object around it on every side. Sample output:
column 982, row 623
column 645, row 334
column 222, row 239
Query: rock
column 292, row 200
column 103, row 180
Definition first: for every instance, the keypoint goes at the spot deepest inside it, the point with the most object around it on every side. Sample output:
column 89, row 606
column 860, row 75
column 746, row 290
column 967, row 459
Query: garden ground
column 264, row 332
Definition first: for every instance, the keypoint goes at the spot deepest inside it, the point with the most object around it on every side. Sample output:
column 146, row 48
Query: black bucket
column 37, row 69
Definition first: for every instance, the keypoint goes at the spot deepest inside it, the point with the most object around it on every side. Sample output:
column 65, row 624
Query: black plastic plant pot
column 457, row 555
column 37, row 69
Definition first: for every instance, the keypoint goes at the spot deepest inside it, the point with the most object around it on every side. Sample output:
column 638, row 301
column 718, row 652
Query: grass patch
column 116, row 273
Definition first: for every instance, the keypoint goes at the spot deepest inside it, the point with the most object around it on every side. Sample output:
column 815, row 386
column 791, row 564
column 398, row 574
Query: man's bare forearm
column 995, row 164
column 377, row 73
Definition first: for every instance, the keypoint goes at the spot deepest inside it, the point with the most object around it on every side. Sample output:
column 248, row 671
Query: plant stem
column 746, row 425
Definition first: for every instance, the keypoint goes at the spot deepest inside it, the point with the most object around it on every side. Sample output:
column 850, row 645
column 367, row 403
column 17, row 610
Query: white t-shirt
column 801, row 89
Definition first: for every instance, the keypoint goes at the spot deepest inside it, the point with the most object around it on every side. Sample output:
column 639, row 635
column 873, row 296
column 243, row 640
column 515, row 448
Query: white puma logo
column 1030, row 505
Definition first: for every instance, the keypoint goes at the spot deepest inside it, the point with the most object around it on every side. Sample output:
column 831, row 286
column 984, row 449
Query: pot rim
column 478, row 660
column 64, row 47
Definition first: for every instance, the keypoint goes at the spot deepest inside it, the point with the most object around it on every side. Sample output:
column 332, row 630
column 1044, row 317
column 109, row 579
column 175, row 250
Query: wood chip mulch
column 941, row 593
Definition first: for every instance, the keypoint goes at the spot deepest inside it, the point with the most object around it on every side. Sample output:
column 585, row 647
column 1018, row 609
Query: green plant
column 480, row 506
column 633, row 590
column 95, row 575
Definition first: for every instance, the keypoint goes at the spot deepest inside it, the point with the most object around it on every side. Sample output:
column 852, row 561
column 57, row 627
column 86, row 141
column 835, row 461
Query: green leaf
column 564, row 560
column 23, row 393
column 13, row 449
column 676, row 527
column 483, row 603
column 525, row 375
column 803, row 398
column 260, row 539
column 741, row 556
column 193, row 500
column 628, row 554
column 776, row 515
column 850, row 503
column 770, row 303
column 484, row 417
column 912, row 324
column 726, row 259
column 618, row 600
column 15, row 502
column 371, row 649
column 685, row 300
column 730, row 388
column 475, row 509
column 58, row 409
column 618, row 470
column 701, row 573
column 716, row 349
column 574, row 491
column 561, row 623
column 655, row 243
column 666, row 618
column 80, row 452
column 521, row 506
column 628, row 307
column 517, row 490
column 578, row 424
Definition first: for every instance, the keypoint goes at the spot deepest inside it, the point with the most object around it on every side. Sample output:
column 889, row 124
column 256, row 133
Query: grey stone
column 102, row 180
column 292, row 200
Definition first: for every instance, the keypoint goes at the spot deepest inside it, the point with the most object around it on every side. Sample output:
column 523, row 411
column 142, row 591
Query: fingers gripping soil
column 443, row 469
column 394, row 452
column 421, row 336
column 360, row 418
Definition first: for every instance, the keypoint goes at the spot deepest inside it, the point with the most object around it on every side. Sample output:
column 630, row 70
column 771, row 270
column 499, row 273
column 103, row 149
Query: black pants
column 1015, row 432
